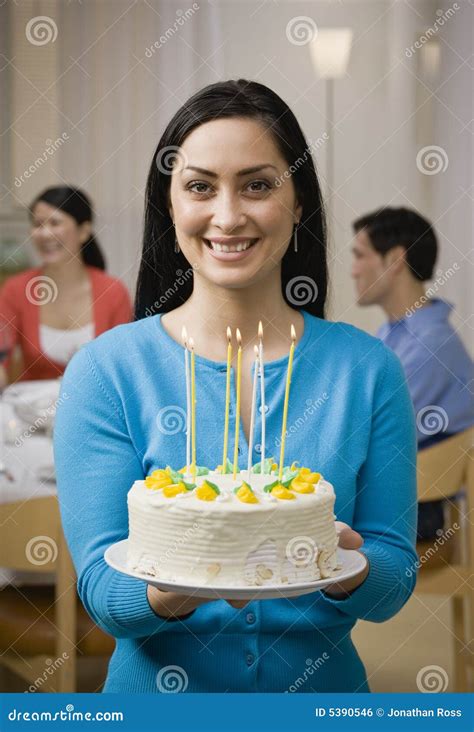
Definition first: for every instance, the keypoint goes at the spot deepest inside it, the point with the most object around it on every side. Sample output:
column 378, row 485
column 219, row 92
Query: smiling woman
column 200, row 181
column 219, row 204
column 53, row 309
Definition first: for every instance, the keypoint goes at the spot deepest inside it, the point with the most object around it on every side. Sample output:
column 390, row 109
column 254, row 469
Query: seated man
column 395, row 251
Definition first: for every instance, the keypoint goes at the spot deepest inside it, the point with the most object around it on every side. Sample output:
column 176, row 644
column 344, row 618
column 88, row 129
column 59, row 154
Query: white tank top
column 61, row 345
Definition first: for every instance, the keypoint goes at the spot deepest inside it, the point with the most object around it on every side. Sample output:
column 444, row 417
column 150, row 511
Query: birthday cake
column 259, row 528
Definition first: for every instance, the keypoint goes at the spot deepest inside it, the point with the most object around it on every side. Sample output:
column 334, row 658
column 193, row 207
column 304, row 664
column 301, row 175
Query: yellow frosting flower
column 301, row 486
column 205, row 492
column 304, row 481
column 279, row 491
column 246, row 494
column 308, row 476
column 158, row 479
column 172, row 490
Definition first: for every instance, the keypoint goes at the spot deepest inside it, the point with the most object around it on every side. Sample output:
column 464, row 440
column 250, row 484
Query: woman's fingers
column 348, row 538
column 238, row 604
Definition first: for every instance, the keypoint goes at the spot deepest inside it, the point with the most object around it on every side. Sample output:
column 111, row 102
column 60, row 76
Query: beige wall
column 100, row 88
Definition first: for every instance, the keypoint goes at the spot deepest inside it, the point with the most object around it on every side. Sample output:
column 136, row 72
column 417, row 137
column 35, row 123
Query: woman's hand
column 174, row 605
column 348, row 539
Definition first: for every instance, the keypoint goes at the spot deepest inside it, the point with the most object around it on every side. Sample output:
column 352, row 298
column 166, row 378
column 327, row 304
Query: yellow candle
column 285, row 406
column 227, row 399
column 184, row 336
column 193, row 411
column 237, row 411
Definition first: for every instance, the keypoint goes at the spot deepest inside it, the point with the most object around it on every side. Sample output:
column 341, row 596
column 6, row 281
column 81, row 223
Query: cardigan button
column 250, row 618
column 250, row 658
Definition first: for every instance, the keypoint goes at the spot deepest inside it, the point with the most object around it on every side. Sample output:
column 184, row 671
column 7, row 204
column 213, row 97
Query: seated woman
column 52, row 310
column 251, row 239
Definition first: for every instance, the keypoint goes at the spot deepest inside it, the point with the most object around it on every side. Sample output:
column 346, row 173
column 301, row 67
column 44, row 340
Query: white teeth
column 240, row 247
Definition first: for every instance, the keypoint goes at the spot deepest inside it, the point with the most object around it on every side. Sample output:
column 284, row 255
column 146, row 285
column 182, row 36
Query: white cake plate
column 351, row 562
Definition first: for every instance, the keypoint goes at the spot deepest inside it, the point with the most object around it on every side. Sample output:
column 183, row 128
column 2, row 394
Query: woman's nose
column 228, row 213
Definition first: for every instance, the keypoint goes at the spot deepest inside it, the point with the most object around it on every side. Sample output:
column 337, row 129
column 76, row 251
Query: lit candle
column 193, row 411
column 285, row 406
column 227, row 399
column 237, row 411
column 252, row 413
column 184, row 336
column 262, row 392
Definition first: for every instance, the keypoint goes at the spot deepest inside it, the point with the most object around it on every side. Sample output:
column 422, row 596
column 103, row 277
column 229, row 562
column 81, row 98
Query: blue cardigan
column 121, row 415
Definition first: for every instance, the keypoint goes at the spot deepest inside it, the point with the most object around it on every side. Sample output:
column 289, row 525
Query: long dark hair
column 74, row 202
column 160, row 264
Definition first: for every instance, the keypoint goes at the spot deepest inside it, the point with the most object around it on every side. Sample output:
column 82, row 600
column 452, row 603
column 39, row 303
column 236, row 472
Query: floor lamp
column 330, row 49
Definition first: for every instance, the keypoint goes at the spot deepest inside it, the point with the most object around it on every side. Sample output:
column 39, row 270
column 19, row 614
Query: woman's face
column 222, row 208
column 56, row 235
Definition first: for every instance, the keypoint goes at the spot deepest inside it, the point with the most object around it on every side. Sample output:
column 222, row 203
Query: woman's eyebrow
column 246, row 171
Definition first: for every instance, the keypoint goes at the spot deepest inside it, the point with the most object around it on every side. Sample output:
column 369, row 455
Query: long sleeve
column 96, row 464
column 122, row 307
column 9, row 317
column 386, row 503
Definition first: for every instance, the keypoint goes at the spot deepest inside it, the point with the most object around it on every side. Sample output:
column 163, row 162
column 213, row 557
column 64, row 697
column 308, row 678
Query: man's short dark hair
column 391, row 227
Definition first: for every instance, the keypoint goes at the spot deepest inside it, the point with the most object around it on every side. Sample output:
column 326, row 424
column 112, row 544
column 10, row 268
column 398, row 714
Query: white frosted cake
column 223, row 532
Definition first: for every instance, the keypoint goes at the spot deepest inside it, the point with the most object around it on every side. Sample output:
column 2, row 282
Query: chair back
column 443, row 469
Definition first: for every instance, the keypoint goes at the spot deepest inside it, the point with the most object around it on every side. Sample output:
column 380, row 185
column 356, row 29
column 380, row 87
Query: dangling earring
column 176, row 246
column 295, row 239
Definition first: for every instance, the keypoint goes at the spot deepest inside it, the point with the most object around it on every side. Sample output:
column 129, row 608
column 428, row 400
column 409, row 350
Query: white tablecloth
column 26, row 461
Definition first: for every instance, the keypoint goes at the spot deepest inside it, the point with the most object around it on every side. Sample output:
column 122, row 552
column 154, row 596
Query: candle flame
column 191, row 344
column 229, row 334
column 293, row 333
column 184, row 335
column 239, row 337
column 256, row 351
column 260, row 330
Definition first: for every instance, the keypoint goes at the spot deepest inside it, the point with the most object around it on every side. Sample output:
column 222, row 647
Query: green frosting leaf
column 213, row 486
column 174, row 475
column 229, row 468
column 267, row 465
column 188, row 486
column 268, row 488
column 244, row 485
column 202, row 470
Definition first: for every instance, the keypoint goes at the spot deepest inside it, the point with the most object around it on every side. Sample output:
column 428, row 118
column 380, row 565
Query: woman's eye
column 256, row 186
column 260, row 183
column 194, row 187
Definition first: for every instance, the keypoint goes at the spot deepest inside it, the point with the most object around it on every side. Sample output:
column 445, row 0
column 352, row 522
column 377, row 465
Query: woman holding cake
column 234, row 230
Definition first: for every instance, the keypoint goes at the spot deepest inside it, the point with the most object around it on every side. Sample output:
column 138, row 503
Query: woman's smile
column 230, row 249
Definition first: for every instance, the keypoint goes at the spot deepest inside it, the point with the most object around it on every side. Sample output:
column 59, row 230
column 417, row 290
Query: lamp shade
column 330, row 51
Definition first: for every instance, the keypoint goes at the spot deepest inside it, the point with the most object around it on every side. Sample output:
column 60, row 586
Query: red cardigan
column 111, row 306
